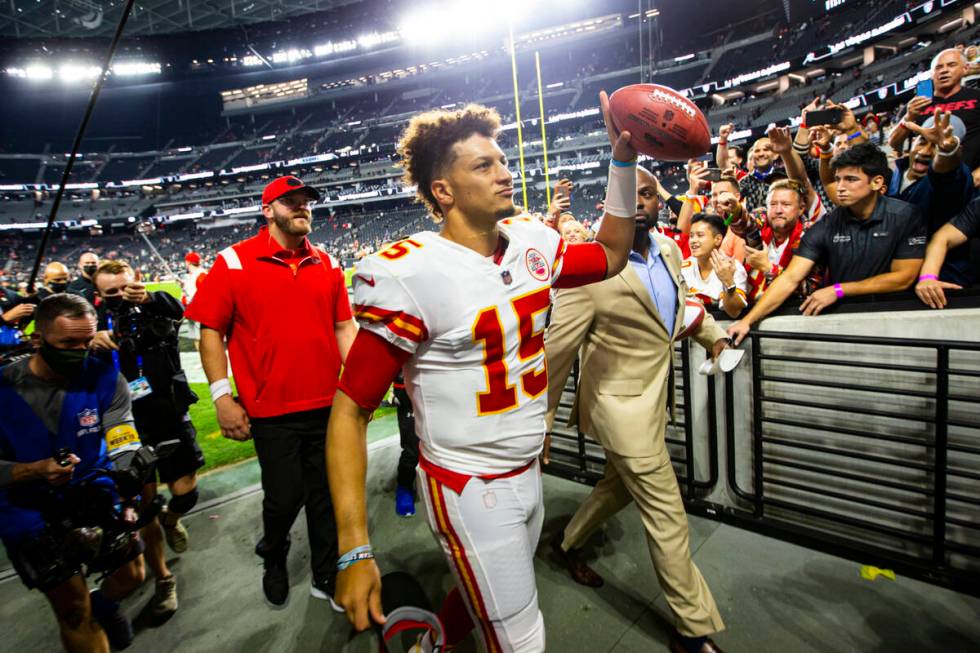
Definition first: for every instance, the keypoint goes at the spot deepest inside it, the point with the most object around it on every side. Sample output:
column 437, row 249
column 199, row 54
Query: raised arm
column 901, row 132
column 616, row 231
column 782, row 145
column 696, row 178
column 948, row 154
column 721, row 152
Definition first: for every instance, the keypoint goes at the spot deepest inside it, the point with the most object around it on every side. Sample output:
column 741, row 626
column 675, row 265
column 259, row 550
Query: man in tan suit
column 625, row 328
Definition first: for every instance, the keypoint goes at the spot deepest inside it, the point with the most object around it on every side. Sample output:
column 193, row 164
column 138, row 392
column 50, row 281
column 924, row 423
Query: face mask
column 113, row 303
column 89, row 269
column 58, row 287
column 65, row 362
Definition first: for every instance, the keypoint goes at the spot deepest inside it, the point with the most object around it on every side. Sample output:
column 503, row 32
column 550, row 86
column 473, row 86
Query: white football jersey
column 191, row 282
column 477, row 378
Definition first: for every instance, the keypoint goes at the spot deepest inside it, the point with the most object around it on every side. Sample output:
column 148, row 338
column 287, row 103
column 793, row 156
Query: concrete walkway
column 774, row 596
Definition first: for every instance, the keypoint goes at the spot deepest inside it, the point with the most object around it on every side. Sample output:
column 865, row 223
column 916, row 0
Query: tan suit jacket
column 626, row 357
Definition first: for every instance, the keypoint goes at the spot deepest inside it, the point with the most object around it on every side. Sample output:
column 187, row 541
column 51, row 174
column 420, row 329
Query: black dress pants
column 291, row 452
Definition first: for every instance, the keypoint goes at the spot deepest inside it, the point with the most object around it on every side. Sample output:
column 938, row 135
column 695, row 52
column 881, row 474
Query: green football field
column 219, row 451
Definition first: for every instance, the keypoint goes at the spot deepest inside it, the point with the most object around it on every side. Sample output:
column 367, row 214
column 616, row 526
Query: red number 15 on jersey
column 500, row 396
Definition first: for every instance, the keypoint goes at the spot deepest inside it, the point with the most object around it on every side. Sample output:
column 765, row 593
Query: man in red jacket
column 282, row 306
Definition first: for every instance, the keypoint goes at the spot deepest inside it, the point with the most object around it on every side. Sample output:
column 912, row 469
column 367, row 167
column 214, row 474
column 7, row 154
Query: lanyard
column 115, row 353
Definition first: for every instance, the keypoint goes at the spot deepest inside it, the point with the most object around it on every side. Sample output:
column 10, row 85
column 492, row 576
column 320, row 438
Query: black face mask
column 65, row 362
column 89, row 270
column 113, row 303
column 58, row 287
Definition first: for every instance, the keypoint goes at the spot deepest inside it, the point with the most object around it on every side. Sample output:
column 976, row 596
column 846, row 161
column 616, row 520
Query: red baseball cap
column 285, row 185
column 193, row 257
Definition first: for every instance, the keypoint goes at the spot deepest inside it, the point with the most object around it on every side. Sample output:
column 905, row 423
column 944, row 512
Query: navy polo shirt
column 853, row 249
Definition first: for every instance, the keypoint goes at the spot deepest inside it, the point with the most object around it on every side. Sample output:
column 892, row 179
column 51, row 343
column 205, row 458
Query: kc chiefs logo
column 536, row 264
column 962, row 105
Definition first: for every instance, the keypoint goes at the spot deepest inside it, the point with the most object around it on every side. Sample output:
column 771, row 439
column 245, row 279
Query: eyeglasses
column 297, row 201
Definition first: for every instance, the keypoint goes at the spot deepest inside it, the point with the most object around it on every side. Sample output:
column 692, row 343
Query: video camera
column 135, row 331
column 87, row 525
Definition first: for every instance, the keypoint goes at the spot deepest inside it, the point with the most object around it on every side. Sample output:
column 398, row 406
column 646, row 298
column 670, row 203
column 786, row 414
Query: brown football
column 662, row 123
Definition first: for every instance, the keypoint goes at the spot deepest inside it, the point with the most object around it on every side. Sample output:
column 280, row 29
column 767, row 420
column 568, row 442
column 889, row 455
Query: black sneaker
column 275, row 581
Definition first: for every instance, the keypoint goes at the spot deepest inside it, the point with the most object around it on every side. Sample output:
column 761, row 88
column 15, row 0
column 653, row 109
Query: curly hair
column 426, row 145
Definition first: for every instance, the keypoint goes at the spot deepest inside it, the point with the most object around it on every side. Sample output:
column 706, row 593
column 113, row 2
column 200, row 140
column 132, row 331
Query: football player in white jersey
column 463, row 311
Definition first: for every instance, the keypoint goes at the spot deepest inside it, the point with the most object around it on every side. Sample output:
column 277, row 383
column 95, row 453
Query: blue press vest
column 24, row 438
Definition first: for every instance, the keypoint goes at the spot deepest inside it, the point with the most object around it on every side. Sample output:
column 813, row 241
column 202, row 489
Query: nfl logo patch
column 536, row 264
column 88, row 417
column 505, row 275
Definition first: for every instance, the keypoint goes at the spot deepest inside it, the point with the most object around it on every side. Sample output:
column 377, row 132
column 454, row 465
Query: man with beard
column 871, row 244
column 55, row 280
column 282, row 305
column 625, row 328
column 781, row 227
column 755, row 185
column 83, row 285
column 935, row 179
column 949, row 95
column 463, row 313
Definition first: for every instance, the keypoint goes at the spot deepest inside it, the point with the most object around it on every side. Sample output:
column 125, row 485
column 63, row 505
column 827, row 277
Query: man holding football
column 625, row 329
column 463, row 311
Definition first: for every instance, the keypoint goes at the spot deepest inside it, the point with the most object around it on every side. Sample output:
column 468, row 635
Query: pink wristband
column 839, row 291
column 927, row 277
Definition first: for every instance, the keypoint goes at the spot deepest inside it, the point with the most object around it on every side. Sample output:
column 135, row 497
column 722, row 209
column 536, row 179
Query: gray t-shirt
column 45, row 398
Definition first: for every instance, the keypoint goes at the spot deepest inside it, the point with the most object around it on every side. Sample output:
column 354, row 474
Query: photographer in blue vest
column 66, row 417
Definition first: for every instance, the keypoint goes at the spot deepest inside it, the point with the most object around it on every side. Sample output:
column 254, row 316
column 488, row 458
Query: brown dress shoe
column 574, row 561
column 677, row 646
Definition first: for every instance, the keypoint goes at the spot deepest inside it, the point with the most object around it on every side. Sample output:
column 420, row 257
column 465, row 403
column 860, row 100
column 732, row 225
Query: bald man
column 82, row 285
column 948, row 69
column 54, row 280
column 754, row 186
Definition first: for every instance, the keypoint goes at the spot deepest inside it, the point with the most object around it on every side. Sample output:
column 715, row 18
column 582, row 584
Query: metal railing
column 575, row 456
column 865, row 468
column 864, row 447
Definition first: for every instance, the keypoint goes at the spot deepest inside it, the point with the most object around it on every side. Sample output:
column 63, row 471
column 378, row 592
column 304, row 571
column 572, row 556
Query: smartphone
column 712, row 174
column 707, row 156
column 924, row 88
column 824, row 117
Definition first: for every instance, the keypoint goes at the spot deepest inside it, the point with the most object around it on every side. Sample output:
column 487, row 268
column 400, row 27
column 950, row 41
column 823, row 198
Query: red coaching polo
column 278, row 309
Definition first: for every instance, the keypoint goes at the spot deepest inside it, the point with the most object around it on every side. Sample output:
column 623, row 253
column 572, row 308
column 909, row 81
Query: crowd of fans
column 791, row 176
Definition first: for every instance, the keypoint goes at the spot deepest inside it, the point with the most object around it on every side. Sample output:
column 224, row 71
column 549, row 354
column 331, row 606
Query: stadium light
column 131, row 68
column 38, row 71
column 368, row 41
column 448, row 21
column 334, row 47
column 70, row 73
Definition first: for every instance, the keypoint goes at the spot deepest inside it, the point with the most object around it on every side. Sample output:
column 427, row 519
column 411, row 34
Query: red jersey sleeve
column 372, row 365
column 213, row 305
column 579, row 264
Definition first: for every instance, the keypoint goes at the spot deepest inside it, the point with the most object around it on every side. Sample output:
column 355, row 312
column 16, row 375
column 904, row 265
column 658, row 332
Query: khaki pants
column 652, row 484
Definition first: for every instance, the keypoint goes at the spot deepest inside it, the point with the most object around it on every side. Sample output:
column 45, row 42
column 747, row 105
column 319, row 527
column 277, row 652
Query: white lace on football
column 681, row 103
